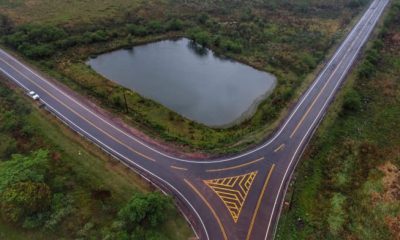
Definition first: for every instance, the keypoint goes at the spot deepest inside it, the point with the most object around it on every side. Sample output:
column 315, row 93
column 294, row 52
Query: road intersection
column 239, row 197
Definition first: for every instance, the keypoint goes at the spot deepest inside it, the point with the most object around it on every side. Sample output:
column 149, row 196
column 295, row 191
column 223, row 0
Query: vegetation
column 286, row 38
column 53, row 185
column 347, row 187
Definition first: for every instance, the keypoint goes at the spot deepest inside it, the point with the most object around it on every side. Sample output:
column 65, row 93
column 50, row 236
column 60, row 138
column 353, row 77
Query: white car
column 33, row 95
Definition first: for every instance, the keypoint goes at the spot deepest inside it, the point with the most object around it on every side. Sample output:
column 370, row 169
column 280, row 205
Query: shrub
column 6, row 24
column 352, row 101
column 37, row 51
column 175, row 25
column 36, row 41
column 145, row 210
column 43, row 33
column 23, row 199
column 24, row 169
column 199, row 36
column 99, row 36
column 231, row 46
column 155, row 27
column 137, row 30
column 8, row 146
column 366, row 70
column 93, row 37
column 202, row 18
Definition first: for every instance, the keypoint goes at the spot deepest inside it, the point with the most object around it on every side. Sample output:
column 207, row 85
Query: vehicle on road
column 34, row 95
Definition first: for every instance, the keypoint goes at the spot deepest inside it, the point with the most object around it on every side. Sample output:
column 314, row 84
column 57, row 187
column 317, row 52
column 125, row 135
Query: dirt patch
column 391, row 182
column 394, row 226
column 389, row 89
column 396, row 38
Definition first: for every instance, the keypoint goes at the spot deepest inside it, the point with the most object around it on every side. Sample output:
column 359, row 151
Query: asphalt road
column 239, row 197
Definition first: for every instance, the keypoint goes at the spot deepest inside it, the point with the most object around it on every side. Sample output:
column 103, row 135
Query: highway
column 239, row 197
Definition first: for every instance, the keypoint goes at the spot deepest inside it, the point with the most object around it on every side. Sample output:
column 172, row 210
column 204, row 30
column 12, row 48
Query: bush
column 145, row 210
column 200, row 37
column 99, row 36
column 23, row 169
column 137, row 30
column 352, row 101
column 36, row 41
column 43, row 33
column 155, row 27
column 140, row 218
column 67, row 42
column 366, row 70
column 61, row 207
column 37, row 51
column 231, row 46
column 8, row 146
column 175, row 25
column 6, row 24
column 24, row 199
column 202, row 18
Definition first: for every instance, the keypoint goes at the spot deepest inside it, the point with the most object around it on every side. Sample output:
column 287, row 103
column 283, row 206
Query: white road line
column 315, row 120
column 282, row 128
column 116, row 153
column 214, row 161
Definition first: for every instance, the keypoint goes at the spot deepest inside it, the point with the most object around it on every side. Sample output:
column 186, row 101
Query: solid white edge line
column 282, row 128
column 319, row 114
column 122, row 156
column 304, row 97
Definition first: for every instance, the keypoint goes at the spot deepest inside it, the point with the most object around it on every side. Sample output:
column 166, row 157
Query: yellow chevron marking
column 233, row 191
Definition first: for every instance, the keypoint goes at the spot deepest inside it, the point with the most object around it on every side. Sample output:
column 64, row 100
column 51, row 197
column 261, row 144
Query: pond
column 188, row 79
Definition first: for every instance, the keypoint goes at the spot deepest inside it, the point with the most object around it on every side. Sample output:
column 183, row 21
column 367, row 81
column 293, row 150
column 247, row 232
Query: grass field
column 348, row 185
column 78, row 170
column 71, row 12
column 288, row 39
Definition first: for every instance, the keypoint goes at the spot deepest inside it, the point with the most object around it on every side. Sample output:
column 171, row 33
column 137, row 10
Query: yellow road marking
column 319, row 94
column 78, row 114
column 312, row 105
column 179, row 168
column 235, row 167
column 281, row 147
column 233, row 194
column 209, row 206
column 259, row 202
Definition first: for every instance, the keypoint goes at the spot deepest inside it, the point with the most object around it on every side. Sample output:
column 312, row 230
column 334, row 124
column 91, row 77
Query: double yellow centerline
column 323, row 88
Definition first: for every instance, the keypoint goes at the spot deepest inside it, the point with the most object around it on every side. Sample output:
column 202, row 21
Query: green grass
column 89, row 161
column 82, row 167
column 10, row 233
column 339, row 191
column 287, row 39
column 73, row 12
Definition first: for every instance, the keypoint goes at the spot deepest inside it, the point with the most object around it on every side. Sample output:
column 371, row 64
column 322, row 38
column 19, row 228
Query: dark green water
column 189, row 80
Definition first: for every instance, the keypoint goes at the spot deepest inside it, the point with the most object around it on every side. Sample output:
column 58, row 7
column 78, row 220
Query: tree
column 145, row 210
